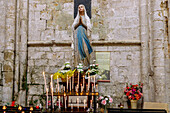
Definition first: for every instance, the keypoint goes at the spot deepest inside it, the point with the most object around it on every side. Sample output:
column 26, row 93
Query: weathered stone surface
column 136, row 28
column 35, row 89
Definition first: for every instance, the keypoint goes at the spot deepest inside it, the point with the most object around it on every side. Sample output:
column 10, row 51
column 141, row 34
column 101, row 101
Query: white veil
column 87, row 19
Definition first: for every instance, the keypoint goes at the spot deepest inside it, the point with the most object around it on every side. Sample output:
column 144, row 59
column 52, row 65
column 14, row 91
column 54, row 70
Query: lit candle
column 47, row 97
column 84, row 103
column 71, row 106
column 73, row 82
column 51, row 80
column 45, row 80
column 64, row 88
column 78, row 103
column 70, row 84
column 52, row 90
column 78, row 78
column 52, row 98
column 96, row 88
column 65, row 101
column 67, row 83
column 59, row 102
column 90, row 103
column 46, row 89
column 57, row 84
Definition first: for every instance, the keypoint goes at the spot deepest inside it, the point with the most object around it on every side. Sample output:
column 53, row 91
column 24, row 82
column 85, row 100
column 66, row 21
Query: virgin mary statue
column 82, row 30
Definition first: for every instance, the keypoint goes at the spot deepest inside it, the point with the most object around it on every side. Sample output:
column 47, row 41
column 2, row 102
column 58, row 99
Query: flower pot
column 104, row 110
column 133, row 104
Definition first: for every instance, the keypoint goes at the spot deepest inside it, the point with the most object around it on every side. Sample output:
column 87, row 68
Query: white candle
column 65, row 100
column 67, row 82
column 70, row 84
column 51, row 80
column 92, row 88
column 52, row 98
column 88, row 81
column 78, row 103
column 47, row 97
column 84, row 103
column 73, row 82
column 90, row 103
column 57, row 84
column 52, row 90
column 45, row 80
column 59, row 102
column 78, row 78
column 97, row 105
column 71, row 106
column 96, row 88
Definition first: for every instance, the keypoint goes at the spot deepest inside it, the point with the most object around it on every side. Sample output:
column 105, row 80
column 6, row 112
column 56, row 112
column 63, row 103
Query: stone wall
column 40, row 35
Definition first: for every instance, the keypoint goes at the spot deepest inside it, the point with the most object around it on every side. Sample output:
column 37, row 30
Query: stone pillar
column 158, row 52
column 144, row 46
column 8, row 67
column 21, row 50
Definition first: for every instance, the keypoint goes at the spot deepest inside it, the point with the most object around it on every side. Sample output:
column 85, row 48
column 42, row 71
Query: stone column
column 8, row 67
column 143, row 15
column 21, row 50
column 158, row 52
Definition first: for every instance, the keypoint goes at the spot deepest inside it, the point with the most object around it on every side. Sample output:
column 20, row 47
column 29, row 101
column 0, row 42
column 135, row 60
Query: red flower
column 103, row 102
column 13, row 103
column 37, row 107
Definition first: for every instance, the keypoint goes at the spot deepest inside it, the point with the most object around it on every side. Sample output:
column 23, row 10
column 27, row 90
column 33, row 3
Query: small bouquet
column 104, row 101
column 133, row 92
column 93, row 69
column 80, row 67
column 66, row 71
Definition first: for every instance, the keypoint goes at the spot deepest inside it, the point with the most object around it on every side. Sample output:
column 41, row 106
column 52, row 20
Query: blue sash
column 82, row 36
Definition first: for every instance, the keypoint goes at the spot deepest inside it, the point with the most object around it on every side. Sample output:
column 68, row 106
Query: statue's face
column 81, row 8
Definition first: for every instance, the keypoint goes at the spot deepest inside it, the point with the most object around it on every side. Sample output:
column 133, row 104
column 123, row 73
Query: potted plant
column 133, row 93
column 104, row 102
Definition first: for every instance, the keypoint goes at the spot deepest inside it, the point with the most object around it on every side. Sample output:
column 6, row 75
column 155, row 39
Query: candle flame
column 31, row 108
column 4, row 107
column 20, row 108
column 43, row 73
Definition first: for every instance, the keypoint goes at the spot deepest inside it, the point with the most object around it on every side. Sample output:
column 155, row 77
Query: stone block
column 130, row 22
column 45, row 15
column 40, row 24
column 47, row 35
column 119, row 12
column 160, row 62
column 68, row 8
column 158, row 53
column 41, row 62
column 35, row 55
column 52, row 62
column 31, row 62
column 35, row 89
column 40, row 7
